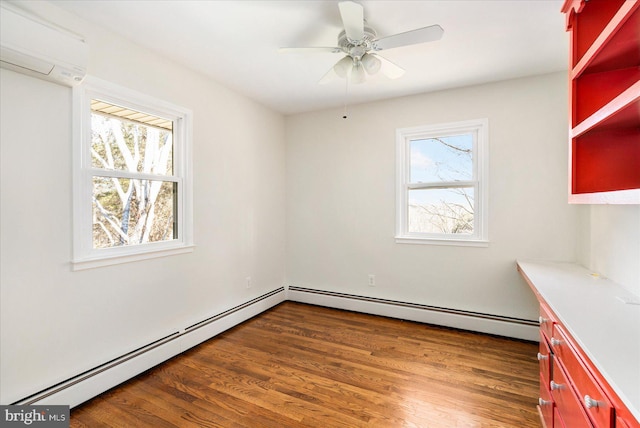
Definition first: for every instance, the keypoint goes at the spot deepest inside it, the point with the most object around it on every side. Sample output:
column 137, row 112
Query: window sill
column 434, row 241
column 90, row 263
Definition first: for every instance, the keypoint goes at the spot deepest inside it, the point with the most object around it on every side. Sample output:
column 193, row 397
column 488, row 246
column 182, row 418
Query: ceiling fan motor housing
column 357, row 48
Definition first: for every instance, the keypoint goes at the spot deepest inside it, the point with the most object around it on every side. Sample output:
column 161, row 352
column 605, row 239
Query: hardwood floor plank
column 374, row 369
column 178, row 411
column 299, row 384
column 298, row 365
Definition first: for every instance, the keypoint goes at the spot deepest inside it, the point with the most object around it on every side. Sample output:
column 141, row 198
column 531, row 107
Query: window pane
column 129, row 145
column 130, row 212
column 441, row 211
column 447, row 158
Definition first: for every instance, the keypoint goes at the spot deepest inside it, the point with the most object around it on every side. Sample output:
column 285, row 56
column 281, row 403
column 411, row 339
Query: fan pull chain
column 346, row 96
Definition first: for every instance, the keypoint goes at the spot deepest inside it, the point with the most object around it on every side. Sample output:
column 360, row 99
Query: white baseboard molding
column 465, row 320
column 87, row 385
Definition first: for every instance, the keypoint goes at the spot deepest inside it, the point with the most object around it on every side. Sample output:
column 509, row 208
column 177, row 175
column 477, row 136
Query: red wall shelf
column 605, row 100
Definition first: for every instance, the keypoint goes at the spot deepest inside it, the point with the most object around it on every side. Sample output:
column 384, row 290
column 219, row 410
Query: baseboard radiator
column 89, row 384
column 466, row 320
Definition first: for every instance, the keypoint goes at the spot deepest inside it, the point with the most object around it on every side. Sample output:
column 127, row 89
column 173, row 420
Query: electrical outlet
column 248, row 282
column 372, row 280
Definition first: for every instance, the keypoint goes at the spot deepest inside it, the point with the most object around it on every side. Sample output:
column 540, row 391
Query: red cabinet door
column 568, row 405
column 545, row 404
column 589, row 392
column 544, row 360
column 547, row 320
column 557, row 420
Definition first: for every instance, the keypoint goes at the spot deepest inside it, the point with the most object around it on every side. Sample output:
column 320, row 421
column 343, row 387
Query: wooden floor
column 305, row 366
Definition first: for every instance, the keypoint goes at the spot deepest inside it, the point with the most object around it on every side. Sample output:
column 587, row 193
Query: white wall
column 56, row 323
column 611, row 243
column 341, row 195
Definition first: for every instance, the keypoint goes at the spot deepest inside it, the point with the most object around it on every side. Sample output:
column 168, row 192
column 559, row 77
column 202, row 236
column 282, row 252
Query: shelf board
column 631, row 197
column 627, row 103
column 610, row 31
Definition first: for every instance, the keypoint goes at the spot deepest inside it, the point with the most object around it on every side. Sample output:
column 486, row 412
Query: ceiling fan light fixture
column 343, row 66
column 357, row 73
column 371, row 64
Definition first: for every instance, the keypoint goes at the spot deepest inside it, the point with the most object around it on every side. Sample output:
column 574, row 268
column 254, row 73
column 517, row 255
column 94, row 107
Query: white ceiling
column 236, row 43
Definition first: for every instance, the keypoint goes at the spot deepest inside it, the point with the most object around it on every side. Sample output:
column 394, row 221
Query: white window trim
column 84, row 255
column 480, row 237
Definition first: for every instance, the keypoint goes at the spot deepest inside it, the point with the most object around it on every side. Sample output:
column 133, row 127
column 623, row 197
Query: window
column 132, row 178
column 442, row 184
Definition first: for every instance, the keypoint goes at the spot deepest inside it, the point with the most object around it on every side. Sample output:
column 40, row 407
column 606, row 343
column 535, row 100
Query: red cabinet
column 574, row 393
column 571, row 392
column 605, row 100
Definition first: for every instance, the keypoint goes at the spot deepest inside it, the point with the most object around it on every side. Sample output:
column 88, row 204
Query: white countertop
column 593, row 312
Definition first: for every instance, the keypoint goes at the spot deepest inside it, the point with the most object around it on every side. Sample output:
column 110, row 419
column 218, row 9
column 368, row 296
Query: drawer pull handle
column 542, row 356
column 542, row 402
column 555, row 386
column 556, row 342
column 589, row 402
column 542, row 320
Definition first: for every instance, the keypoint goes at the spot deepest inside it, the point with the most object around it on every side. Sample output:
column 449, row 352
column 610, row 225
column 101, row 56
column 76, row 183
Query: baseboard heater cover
column 90, row 383
column 518, row 328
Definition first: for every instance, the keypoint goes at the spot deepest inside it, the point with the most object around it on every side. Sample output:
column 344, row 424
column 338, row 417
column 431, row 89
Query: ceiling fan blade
column 310, row 50
column 353, row 19
column 388, row 68
column 413, row 37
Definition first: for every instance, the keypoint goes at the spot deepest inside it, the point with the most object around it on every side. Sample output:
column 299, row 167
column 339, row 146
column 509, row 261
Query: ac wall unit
column 41, row 49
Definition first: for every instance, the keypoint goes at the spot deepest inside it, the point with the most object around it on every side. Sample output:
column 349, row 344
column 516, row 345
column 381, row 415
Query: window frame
column 480, row 183
column 84, row 255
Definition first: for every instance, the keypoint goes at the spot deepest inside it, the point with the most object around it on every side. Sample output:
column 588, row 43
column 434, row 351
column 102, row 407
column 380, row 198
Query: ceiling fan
column 360, row 44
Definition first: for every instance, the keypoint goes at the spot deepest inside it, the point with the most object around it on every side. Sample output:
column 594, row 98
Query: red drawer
column 568, row 405
column 544, row 360
column 546, row 320
column 557, row 419
column 545, row 404
column 620, row 423
column 593, row 398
